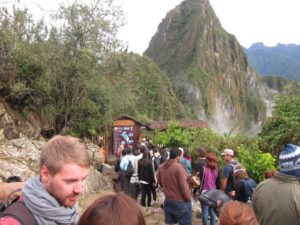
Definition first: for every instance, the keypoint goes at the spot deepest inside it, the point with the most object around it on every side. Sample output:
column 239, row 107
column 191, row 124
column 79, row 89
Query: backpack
column 249, row 186
column 129, row 171
column 156, row 161
column 18, row 211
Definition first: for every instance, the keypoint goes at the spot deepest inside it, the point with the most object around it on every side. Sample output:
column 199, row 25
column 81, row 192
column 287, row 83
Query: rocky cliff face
column 208, row 67
column 21, row 156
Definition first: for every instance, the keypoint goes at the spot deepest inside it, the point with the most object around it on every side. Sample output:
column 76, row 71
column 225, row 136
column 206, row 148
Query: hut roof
column 162, row 125
column 125, row 117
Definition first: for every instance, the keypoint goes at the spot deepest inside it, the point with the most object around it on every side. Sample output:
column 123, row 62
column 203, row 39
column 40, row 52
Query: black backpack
column 249, row 186
column 19, row 212
column 129, row 171
column 156, row 161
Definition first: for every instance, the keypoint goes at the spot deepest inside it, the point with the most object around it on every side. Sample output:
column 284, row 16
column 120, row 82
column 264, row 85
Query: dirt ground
column 151, row 215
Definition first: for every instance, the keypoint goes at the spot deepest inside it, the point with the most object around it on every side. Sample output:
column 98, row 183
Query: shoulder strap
column 21, row 213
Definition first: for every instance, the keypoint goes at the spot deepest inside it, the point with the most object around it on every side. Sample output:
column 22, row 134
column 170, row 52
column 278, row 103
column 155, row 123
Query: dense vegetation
column 75, row 74
column 281, row 60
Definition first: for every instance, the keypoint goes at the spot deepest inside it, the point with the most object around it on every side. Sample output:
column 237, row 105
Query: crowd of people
column 229, row 194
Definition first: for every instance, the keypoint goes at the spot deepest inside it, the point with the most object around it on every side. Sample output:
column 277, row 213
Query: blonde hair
column 60, row 150
column 237, row 213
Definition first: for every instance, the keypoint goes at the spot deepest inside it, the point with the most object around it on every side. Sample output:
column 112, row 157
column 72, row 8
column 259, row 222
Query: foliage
column 283, row 126
column 255, row 160
column 247, row 149
column 174, row 136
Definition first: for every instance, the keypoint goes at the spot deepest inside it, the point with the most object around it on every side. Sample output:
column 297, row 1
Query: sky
column 267, row 21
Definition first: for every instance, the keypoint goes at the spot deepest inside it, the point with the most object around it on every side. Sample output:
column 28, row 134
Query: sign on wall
column 124, row 136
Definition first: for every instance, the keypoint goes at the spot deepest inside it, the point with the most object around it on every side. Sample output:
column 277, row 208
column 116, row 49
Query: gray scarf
column 45, row 208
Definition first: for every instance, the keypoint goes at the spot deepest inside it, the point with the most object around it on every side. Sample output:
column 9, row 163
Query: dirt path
column 152, row 217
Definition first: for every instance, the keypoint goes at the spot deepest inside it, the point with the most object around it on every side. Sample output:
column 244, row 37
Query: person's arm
column 223, row 183
column 226, row 174
column 158, row 177
column 184, row 185
column 6, row 220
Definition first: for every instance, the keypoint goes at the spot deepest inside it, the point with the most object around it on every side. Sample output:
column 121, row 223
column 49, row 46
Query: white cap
column 228, row 152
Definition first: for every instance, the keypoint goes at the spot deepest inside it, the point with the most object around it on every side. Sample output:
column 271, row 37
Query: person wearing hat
column 227, row 182
column 276, row 200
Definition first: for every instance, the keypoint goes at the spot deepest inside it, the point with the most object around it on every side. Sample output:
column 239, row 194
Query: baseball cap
column 228, row 152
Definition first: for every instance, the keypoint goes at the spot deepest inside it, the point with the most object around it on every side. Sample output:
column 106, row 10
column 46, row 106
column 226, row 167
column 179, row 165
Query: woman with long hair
column 237, row 213
column 113, row 209
column 146, row 177
column 210, row 182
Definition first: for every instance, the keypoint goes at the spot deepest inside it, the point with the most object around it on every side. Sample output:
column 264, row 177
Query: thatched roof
column 163, row 125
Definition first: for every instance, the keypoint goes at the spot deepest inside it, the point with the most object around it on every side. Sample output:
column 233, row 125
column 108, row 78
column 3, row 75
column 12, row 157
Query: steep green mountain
column 281, row 60
column 136, row 86
column 207, row 67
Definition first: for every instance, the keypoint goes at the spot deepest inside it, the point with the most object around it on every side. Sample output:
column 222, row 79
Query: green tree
column 283, row 126
column 174, row 136
column 255, row 161
column 83, row 36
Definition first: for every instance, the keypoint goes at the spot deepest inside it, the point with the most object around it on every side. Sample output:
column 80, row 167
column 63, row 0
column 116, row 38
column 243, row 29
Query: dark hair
column 143, row 148
column 187, row 154
column 175, row 152
column 212, row 161
column 202, row 152
column 237, row 213
column 128, row 150
column 12, row 179
column 145, row 160
column 113, row 209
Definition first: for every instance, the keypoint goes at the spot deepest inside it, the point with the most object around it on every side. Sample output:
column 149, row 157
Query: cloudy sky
column 267, row 21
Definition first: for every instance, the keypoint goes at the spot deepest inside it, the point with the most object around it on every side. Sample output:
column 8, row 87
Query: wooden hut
column 126, row 131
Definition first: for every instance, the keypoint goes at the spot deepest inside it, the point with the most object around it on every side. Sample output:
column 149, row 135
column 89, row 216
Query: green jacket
column 276, row 201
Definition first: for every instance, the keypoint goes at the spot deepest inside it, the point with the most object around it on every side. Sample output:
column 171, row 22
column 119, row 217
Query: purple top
column 210, row 178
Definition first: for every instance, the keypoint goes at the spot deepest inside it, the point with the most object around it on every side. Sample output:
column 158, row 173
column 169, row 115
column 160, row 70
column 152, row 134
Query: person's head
column 187, row 154
column 128, row 151
column 181, row 151
column 202, row 152
column 146, row 155
column 269, row 174
column 64, row 168
column 136, row 152
column 175, row 153
column 228, row 155
column 215, row 199
column 113, row 209
column 237, row 213
column 143, row 148
column 12, row 179
column 289, row 160
column 211, row 160
column 240, row 172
